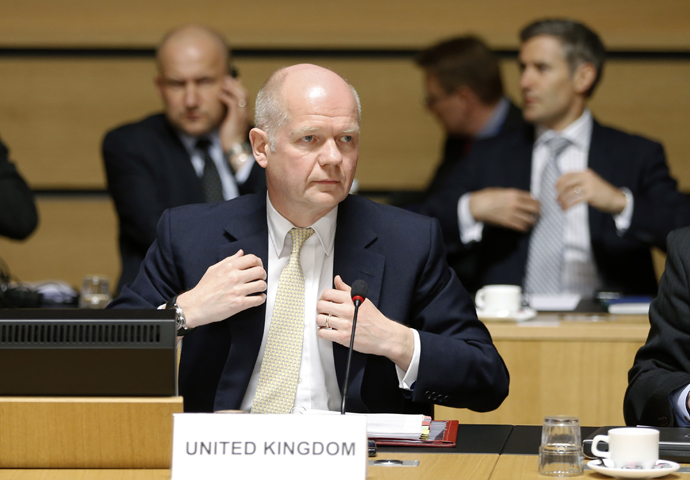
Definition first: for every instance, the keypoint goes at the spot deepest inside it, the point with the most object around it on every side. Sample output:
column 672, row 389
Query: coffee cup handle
column 595, row 450
column 479, row 299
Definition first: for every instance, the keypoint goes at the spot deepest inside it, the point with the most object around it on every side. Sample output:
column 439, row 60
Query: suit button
column 663, row 421
column 445, row 398
column 428, row 395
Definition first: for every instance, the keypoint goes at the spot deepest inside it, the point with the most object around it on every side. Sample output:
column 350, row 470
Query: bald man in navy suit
column 418, row 340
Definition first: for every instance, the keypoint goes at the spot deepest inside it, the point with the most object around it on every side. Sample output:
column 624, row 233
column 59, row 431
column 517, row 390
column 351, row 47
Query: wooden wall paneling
column 55, row 111
column 75, row 237
column 639, row 24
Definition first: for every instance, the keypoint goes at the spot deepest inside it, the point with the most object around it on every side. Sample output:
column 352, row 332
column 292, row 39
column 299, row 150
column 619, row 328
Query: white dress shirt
column 227, row 178
column 317, row 387
column 579, row 268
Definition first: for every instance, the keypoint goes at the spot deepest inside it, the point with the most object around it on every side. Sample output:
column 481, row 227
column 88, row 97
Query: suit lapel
column 599, row 160
column 246, row 230
column 355, row 232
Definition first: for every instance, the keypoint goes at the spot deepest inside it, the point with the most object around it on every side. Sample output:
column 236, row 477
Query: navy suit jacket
column 149, row 171
column 624, row 262
column 662, row 365
column 401, row 257
column 18, row 215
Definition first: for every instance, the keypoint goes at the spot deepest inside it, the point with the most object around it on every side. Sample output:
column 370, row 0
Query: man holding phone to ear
column 196, row 151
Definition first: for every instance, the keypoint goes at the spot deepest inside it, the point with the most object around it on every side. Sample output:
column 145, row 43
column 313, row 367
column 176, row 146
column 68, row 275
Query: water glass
column 95, row 292
column 560, row 453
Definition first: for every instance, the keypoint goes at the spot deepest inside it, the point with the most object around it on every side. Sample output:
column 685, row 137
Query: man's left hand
column 587, row 186
column 375, row 334
column 235, row 125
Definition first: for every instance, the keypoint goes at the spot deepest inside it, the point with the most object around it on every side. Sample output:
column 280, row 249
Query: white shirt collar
column 498, row 117
column 279, row 228
column 189, row 141
column 579, row 132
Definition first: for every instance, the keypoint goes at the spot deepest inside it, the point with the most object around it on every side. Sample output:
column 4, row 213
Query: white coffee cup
column 499, row 300
column 630, row 447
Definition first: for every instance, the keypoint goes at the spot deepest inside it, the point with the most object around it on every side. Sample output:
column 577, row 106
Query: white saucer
column 525, row 313
column 663, row 467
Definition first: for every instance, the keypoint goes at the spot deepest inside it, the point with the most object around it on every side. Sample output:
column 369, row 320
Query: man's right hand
column 505, row 207
column 232, row 285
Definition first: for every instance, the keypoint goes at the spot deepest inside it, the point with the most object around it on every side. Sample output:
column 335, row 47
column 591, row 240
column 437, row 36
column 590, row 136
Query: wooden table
column 567, row 364
column 437, row 466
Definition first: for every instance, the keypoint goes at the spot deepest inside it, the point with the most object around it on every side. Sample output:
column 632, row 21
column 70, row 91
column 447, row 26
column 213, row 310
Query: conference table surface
column 483, row 452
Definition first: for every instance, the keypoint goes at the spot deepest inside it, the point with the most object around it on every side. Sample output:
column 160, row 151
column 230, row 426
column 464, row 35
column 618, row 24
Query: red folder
column 446, row 438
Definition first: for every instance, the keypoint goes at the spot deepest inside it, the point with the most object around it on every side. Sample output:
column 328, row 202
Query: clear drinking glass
column 95, row 292
column 560, row 453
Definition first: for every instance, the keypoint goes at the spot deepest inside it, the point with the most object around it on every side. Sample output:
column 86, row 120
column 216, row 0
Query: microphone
column 359, row 294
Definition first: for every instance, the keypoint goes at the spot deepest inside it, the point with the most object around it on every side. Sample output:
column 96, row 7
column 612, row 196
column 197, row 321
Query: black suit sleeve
column 663, row 364
column 18, row 216
column 459, row 365
column 659, row 207
column 132, row 182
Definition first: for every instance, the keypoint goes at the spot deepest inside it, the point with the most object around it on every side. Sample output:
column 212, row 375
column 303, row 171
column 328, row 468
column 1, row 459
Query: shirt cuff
column 470, row 230
column 624, row 218
column 406, row 380
column 680, row 407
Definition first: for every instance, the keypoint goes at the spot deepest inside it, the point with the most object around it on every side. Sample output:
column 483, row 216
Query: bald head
column 191, row 40
column 303, row 83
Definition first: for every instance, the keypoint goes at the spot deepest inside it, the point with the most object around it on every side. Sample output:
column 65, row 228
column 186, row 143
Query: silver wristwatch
column 180, row 319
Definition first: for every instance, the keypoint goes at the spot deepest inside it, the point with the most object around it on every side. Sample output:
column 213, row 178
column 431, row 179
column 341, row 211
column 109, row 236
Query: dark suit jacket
column 18, row 216
column 457, row 148
column 149, row 171
column 663, row 364
column 623, row 160
column 401, row 257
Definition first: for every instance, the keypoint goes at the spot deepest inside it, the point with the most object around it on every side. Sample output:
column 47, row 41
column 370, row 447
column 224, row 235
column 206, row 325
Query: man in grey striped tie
column 564, row 205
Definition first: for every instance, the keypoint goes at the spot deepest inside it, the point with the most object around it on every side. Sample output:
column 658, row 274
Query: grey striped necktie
column 545, row 257
column 210, row 179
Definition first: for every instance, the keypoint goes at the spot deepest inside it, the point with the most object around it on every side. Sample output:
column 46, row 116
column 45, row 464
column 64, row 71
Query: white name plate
column 221, row 446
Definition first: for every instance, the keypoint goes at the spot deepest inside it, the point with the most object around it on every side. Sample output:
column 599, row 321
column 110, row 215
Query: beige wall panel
column 74, row 238
column 357, row 23
column 54, row 112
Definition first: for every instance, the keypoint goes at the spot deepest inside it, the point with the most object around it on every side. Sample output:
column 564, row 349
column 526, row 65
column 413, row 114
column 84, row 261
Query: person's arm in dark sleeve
column 18, row 215
column 659, row 207
column 132, row 184
column 459, row 365
column 662, row 365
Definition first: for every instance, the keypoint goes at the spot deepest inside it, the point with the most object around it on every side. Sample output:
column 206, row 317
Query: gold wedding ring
column 327, row 319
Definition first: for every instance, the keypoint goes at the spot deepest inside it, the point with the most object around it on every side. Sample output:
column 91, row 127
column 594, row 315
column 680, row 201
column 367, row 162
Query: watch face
column 179, row 323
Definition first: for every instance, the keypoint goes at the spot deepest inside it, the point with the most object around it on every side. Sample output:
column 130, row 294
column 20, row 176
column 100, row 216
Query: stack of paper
column 630, row 305
column 389, row 425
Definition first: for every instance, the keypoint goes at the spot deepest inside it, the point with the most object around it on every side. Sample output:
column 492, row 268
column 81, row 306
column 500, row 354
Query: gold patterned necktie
column 280, row 366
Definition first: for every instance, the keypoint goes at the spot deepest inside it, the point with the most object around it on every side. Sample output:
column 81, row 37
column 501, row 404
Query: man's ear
column 158, row 81
column 584, row 77
column 260, row 146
